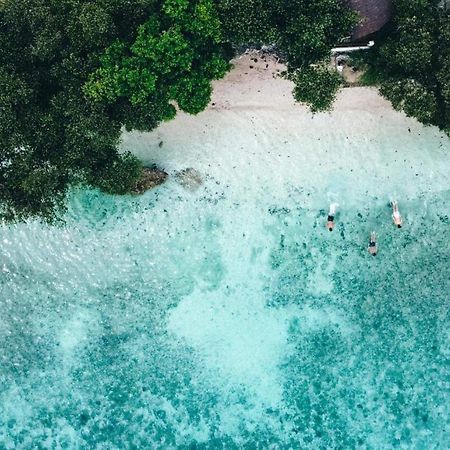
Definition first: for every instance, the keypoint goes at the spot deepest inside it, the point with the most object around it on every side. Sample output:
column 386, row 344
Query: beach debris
column 150, row 178
column 160, row 144
column 189, row 178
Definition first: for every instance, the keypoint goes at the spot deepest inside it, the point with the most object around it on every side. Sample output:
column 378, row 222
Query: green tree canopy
column 52, row 134
column 412, row 62
column 316, row 86
column 176, row 54
column 303, row 32
column 248, row 22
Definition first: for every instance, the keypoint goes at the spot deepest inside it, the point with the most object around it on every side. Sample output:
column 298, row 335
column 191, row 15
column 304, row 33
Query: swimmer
column 373, row 244
column 396, row 217
column 331, row 214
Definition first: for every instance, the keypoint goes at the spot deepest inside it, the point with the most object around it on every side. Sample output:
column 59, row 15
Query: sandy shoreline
column 254, row 130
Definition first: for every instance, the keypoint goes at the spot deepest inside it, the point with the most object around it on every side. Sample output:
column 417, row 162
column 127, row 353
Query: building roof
column 374, row 15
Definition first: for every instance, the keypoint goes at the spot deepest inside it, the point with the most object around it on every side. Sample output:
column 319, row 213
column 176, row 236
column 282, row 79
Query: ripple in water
column 181, row 320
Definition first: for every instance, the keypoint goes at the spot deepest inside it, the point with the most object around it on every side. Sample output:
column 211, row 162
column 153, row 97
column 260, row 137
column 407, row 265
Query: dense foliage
column 412, row 63
column 316, row 86
column 176, row 54
column 130, row 57
column 303, row 32
column 52, row 136
column 73, row 73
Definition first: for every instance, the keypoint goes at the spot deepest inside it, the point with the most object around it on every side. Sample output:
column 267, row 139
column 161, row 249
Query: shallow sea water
column 216, row 319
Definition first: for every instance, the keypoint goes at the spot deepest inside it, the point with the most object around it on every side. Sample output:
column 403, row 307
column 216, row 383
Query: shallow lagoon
column 182, row 327
column 229, row 317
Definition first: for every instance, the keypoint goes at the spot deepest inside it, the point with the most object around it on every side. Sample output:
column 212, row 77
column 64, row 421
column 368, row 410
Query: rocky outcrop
column 150, row 178
column 189, row 178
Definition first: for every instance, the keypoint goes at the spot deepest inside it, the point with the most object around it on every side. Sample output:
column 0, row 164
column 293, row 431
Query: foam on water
column 229, row 317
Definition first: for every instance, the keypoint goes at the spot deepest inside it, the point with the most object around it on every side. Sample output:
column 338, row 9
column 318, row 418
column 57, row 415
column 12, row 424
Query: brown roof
column 374, row 14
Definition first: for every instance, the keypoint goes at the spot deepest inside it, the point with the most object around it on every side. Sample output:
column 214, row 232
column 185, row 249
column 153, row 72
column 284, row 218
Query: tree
column 412, row 62
column 303, row 32
column 307, row 29
column 174, row 57
column 248, row 22
column 316, row 86
column 411, row 97
column 52, row 135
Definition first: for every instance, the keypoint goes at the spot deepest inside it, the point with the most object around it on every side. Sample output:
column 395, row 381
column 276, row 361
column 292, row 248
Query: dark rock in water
column 84, row 418
column 150, row 178
column 189, row 178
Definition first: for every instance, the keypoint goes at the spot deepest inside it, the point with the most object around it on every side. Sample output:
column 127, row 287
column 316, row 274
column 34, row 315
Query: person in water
column 396, row 217
column 373, row 249
column 331, row 214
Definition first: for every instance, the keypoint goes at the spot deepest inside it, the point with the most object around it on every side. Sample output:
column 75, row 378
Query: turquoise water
column 203, row 320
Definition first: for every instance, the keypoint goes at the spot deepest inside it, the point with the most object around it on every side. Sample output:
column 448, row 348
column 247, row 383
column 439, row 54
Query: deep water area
column 211, row 319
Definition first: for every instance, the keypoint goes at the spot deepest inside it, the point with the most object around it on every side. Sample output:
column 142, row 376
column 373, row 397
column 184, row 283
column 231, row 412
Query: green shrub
column 316, row 86
column 412, row 62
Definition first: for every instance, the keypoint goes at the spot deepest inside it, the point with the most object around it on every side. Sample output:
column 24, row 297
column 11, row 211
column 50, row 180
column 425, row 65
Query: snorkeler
column 373, row 249
column 331, row 214
column 397, row 218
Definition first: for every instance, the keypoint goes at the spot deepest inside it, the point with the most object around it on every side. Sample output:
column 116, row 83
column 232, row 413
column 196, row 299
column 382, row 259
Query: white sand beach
column 253, row 130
